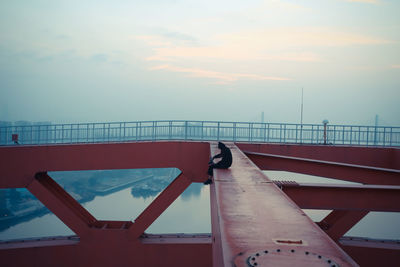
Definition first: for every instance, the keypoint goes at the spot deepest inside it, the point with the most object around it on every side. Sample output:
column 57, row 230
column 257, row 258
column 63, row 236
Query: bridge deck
column 256, row 224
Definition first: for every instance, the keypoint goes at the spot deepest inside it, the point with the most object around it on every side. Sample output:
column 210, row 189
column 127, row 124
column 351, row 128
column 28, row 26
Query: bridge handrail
column 200, row 130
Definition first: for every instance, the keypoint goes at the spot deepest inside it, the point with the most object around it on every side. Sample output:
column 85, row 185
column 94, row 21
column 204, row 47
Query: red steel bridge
column 255, row 221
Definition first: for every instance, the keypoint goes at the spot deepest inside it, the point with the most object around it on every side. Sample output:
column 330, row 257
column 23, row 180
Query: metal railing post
column 104, row 132
column 202, row 130
column 343, row 135
column 108, row 134
column 391, row 133
column 186, row 128
column 251, row 132
column 139, row 137
column 234, row 131
column 153, row 134
column 218, row 131
column 170, row 130
column 264, row 132
column 124, row 131
column 301, row 134
column 38, row 134
column 384, row 136
column 284, row 133
column 62, row 134
column 312, row 134
column 351, row 134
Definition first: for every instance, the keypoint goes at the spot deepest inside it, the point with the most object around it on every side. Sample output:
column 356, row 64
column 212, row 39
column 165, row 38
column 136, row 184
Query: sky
column 102, row 61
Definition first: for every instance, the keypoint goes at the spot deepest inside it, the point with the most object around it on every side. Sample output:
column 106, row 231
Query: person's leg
column 210, row 169
column 220, row 165
column 210, row 174
column 208, row 181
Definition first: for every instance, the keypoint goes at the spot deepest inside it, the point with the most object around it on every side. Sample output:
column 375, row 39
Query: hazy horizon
column 100, row 61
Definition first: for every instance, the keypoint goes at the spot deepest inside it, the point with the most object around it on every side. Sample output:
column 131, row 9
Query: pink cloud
column 228, row 53
column 365, row 1
column 221, row 77
column 276, row 44
column 271, row 45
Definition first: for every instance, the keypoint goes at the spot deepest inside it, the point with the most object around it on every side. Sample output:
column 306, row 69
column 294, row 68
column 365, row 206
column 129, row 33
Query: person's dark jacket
column 226, row 156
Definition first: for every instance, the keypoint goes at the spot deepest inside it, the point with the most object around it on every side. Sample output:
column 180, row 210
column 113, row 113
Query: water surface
column 124, row 194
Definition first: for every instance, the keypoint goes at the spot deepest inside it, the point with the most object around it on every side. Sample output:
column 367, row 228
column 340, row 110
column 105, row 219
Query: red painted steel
column 104, row 243
column 217, row 251
column 344, row 196
column 379, row 157
column 338, row 222
column 371, row 253
column 250, row 215
column 19, row 164
column 111, row 252
column 61, row 204
column 342, row 171
column 253, row 217
column 161, row 203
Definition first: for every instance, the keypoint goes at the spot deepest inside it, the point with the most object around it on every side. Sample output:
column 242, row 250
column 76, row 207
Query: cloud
column 396, row 66
column 167, row 38
column 179, row 36
column 283, row 5
column 275, row 44
column 270, row 45
column 99, row 58
column 221, row 77
column 227, row 52
column 286, row 37
column 364, row 1
column 154, row 40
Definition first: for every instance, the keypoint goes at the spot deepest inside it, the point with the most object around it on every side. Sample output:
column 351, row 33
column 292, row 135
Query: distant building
column 5, row 123
column 22, row 123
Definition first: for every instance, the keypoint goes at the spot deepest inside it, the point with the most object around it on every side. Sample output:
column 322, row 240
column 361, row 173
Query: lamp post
column 325, row 122
column 301, row 117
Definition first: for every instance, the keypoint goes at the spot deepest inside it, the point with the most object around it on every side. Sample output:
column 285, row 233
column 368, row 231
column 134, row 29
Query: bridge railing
column 200, row 130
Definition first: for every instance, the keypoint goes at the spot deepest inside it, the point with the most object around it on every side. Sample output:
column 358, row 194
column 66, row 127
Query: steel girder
column 256, row 224
column 250, row 214
column 343, row 196
column 104, row 243
column 328, row 169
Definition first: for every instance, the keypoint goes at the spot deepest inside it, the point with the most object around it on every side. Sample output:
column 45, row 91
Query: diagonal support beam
column 343, row 196
column 65, row 207
column 159, row 205
column 338, row 222
column 329, row 169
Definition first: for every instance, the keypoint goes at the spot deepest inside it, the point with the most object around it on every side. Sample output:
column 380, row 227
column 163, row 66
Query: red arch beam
column 344, row 197
column 329, row 169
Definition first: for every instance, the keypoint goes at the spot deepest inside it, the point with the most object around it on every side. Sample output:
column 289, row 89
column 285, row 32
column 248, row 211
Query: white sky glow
column 85, row 61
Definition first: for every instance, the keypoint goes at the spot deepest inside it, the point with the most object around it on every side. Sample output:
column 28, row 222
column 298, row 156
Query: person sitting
column 224, row 163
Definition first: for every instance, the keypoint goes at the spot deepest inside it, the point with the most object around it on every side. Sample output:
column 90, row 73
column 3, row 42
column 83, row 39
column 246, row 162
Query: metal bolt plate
column 285, row 257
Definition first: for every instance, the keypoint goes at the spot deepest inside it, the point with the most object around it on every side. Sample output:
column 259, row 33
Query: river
column 124, row 194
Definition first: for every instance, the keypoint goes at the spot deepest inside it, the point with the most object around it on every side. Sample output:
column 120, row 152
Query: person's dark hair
column 221, row 145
